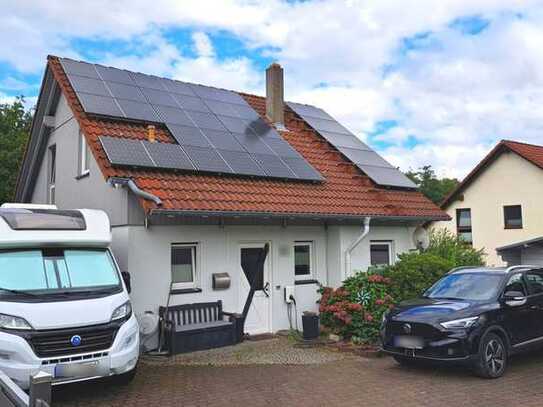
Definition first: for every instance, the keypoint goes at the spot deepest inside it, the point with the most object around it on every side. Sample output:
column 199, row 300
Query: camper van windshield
column 43, row 272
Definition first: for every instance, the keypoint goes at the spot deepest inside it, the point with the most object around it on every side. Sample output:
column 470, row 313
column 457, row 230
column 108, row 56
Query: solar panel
column 191, row 103
column 302, row 168
column 281, row 147
column 126, row 152
column 273, row 166
column 189, row 135
column 173, row 115
column 79, row 68
column 223, row 140
column 206, row 122
column 206, row 159
column 138, row 111
column 114, row 75
column 100, row 105
column 242, row 163
column 159, row 97
column 167, row 155
column 367, row 160
column 88, row 85
column 124, row 91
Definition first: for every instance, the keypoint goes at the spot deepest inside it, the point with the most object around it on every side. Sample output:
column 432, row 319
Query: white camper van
column 64, row 305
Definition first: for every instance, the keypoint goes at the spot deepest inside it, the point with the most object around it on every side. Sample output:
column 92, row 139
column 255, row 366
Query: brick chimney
column 275, row 96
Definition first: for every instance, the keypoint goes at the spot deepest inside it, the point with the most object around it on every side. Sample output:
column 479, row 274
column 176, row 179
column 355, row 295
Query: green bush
column 447, row 245
column 355, row 309
column 414, row 272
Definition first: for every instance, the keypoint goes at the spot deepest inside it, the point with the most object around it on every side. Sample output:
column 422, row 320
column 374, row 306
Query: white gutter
column 354, row 244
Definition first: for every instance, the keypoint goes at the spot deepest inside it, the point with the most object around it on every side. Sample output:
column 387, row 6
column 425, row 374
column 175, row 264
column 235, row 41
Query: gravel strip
column 276, row 351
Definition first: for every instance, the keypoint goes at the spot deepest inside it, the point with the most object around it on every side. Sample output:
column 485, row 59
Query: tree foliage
column 436, row 189
column 15, row 124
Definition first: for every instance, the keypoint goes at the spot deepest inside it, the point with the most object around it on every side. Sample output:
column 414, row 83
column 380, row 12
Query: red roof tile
column 346, row 191
column 530, row 152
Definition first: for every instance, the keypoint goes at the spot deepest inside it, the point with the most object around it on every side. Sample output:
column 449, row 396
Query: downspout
column 131, row 185
column 354, row 244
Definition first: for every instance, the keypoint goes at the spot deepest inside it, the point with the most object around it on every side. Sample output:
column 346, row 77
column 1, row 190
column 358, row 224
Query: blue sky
column 422, row 82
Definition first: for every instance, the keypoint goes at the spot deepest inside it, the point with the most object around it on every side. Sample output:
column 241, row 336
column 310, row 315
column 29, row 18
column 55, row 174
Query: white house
column 197, row 179
column 497, row 207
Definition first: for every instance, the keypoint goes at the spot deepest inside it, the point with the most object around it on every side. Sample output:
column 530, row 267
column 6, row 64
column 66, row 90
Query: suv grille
column 58, row 342
column 425, row 331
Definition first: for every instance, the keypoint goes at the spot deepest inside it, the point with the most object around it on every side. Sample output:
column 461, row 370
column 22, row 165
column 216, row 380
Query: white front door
column 258, row 318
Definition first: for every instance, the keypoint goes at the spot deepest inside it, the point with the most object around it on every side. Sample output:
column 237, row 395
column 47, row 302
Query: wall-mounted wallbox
column 221, row 281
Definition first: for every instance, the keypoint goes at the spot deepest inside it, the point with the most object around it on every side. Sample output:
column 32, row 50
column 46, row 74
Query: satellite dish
column 421, row 238
column 148, row 322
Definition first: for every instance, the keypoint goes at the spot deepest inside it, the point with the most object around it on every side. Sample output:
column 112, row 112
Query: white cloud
column 458, row 94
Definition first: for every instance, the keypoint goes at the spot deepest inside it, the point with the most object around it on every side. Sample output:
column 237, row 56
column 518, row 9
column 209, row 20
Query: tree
column 15, row 124
column 429, row 184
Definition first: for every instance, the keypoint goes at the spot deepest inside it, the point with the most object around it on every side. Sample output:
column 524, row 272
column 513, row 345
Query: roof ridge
column 505, row 141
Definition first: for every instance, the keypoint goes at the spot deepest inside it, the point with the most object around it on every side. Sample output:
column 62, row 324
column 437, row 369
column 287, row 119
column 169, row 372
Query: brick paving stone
column 349, row 382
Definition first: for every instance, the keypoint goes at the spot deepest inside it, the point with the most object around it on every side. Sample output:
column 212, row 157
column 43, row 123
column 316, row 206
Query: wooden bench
column 198, row 326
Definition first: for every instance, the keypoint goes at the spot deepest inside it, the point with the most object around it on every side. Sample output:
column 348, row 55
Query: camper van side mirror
column 126, row 279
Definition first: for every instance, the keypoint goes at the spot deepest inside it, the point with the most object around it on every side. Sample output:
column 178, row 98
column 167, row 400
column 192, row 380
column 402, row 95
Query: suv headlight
column 122, row 312
column 13, row 322
column 460, row 323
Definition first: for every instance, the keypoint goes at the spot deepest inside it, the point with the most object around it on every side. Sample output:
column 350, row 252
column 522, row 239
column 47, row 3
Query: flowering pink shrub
column 356, row 308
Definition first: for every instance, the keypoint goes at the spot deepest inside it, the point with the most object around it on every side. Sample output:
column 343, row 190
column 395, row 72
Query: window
column 515, row 284
column 184, row 265
column 463, row 225
column 84, row 156
column 534, row 281
column 303, row 261
column 512, row 215
column 52, row 173
column 380, row 253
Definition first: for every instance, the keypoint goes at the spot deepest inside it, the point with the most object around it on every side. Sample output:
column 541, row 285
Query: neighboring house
column 498, row 206
column 202, row 190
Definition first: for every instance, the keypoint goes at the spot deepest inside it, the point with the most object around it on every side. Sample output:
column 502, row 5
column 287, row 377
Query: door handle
column 535, row 307
column 266, row 289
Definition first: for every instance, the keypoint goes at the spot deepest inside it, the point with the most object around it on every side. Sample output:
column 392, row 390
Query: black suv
column 473, row 315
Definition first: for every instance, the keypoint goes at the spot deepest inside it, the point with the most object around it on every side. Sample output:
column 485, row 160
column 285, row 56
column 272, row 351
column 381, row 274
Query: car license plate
column 79, row 370
column 408, row 342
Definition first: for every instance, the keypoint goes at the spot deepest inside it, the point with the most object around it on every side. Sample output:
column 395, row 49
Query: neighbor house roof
column 529, row 152
column 519, row 245
column 345, row 191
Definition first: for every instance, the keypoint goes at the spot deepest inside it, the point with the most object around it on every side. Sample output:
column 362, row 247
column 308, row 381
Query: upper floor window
column 51, row 176
column 303, row 259
column 84, row 156
column 380, row 253
column 463, row 225
column 512, row 215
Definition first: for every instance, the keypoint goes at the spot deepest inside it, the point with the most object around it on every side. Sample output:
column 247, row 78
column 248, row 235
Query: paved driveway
column 348, row 382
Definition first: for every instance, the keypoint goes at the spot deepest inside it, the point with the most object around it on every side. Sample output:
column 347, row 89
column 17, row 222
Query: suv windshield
column 51, row 271
column 466, row 286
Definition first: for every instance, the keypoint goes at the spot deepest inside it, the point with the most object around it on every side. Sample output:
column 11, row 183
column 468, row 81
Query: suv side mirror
column 514, row 298
column 126, row 278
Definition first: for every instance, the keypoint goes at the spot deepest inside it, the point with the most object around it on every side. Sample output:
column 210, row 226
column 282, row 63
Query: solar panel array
column 217, row 130
column 367, row 160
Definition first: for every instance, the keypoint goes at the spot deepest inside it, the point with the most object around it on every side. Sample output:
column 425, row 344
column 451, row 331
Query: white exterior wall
column 148, row 257
column 509, row 180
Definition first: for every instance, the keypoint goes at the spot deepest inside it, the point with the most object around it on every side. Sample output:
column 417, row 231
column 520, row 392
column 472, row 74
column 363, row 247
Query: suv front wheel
column 491, row 360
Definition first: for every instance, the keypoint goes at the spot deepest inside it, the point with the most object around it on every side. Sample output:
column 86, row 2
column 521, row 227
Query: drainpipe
column 354, row 244
column 131, row 185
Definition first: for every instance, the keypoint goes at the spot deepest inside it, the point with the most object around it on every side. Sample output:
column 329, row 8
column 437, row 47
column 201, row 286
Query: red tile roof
column 346, row 190
column 530, row 152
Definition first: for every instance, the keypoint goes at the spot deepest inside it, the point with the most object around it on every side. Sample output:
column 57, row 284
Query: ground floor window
column 303, row 260
column 184, row 273
column 380, row 253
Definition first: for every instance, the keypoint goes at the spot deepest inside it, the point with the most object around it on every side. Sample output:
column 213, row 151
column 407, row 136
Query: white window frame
column 84, row 156
column 195, row 266
column 390, row 245
column 311, row 245
column 52, row 174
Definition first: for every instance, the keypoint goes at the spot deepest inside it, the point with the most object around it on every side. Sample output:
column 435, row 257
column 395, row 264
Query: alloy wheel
column 495, row 357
